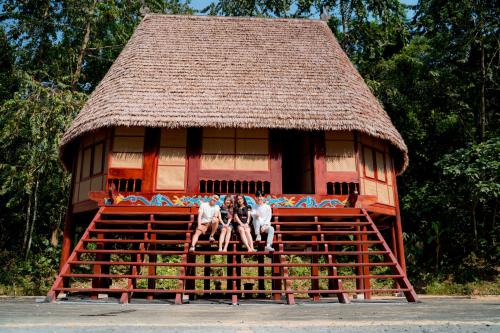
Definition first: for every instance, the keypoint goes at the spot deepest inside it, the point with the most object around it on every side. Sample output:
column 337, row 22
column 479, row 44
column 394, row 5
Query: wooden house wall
column 235, row 149
column 172, row 160
column 91, row 165
column 177, row 160
column 376, row 171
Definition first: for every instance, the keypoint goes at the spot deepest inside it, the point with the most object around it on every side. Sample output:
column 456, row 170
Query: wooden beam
column 151, row 148
column 275, row 163
column 320, row 174
column 193, row 152
column 398, row 225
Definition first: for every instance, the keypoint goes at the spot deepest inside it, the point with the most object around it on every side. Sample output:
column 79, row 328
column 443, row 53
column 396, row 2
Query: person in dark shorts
column 242, row 218
column 226, row 222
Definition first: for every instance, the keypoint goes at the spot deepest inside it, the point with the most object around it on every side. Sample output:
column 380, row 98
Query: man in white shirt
column 261, row 218
column 208, row 217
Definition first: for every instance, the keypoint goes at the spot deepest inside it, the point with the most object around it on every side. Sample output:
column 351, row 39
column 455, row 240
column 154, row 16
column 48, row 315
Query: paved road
column 384, row 315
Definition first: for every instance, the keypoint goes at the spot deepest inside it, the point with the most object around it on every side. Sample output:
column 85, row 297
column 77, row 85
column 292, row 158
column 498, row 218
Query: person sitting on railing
column 226, row 222
column 262, row 215
column 242, row 217
column 208, row 217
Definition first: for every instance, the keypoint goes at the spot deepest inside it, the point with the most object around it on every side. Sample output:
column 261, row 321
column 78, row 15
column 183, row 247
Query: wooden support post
column 206, row 272
column 229, row 271
column 124, row 299
column 394, row 247
column 151, row 148
column 234, row 287
column 193, row 150
column 139, row 259
column 276, row 270
column 238, row 271
column 190, row 284
column 334, row 283
column 290, row 299
column 67, row 238
column 190, row 258
column 330, row 259
column 152, row 259
column 181, row 284
column 366, row 268
column 96, row 282
column 68, row 222
column 314, row 260
column 359, row 260
column 275, row 149
column 320, row 164
column 261, row 272
column 399, row 228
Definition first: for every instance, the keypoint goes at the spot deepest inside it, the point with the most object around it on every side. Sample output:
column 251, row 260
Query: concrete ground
column 432, row 314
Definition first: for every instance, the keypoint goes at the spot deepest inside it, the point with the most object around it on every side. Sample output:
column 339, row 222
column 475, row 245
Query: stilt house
column 195, row 105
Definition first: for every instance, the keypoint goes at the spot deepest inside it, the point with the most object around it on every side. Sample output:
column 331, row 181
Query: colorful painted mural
column 189, row 201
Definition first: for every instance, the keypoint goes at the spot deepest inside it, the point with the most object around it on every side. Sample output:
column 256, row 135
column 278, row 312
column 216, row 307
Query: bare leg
column 249, row 237
column 241, row 230
column 195, row 238
column 223, row 233
column 214, row 225
column 228, row 238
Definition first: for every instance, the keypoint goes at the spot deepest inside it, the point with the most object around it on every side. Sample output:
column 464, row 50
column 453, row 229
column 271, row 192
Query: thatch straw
column 198, row 71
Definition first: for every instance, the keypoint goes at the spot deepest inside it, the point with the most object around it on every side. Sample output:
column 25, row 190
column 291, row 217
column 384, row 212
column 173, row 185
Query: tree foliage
column 434, row 66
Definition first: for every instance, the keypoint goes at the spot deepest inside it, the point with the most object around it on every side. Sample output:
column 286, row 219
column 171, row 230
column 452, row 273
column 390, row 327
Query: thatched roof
column 199, row 71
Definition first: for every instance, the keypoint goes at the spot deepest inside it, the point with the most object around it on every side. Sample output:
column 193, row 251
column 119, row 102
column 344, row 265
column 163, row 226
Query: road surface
column 433, row 314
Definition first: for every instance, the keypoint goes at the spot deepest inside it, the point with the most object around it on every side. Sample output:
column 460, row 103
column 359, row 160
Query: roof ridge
column 238, row 18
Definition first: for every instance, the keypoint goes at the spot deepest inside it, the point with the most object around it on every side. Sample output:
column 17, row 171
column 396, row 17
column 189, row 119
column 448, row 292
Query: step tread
column 226, row 277
column 145, row 264
column 232, row 252
column 201, row 291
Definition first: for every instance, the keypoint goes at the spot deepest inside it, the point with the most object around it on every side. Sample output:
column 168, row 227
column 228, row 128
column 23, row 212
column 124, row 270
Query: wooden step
column 183, row 241
column 311, row 237
column 179, row 264
column 232, row 252
column 161, row 222
column 241, row 277
column 202, row 291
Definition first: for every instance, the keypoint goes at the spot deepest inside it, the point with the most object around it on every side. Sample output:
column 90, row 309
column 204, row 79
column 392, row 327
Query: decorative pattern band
column 190, row 201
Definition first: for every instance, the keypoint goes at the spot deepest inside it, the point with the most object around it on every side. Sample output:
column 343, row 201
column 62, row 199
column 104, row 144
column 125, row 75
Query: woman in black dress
column 242, row 217
column 226, row 225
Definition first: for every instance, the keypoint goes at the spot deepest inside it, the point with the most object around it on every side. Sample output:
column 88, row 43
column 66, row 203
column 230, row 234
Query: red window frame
column 92, row 157
column 375, row 166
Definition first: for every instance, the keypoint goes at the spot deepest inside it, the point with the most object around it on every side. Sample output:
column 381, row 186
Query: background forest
column 434, row 65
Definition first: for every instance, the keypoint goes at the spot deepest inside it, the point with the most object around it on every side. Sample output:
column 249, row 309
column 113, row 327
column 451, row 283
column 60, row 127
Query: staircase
column 143, row 252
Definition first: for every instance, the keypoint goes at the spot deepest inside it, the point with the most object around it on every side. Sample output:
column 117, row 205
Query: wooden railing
column 125, row 185
column 234, row 186
column 341, row 188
